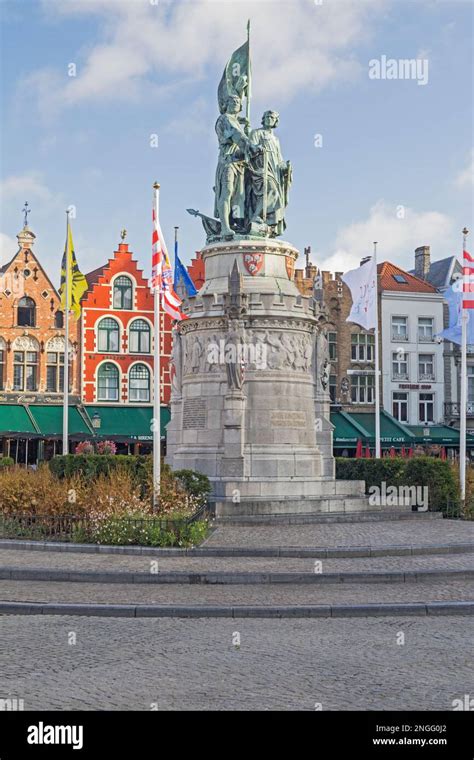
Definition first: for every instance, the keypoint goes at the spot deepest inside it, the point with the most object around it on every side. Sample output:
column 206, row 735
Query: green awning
column 15, row 420
column 438, row 434
column 346, row 433
column 127, row 423
column 49, row 419
column 352, row 426
column 120, row 423
column 392, row 432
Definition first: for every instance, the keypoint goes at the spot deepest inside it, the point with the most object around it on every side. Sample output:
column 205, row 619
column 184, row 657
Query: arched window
column 108, row 383
column 123, row 293
column 59, row 319
column 139, row 342
column 26, row 312
column 139, row 383
column 108, row 335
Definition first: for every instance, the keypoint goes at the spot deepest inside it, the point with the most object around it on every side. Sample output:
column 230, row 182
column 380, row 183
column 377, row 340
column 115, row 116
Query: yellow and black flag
column 77, row 283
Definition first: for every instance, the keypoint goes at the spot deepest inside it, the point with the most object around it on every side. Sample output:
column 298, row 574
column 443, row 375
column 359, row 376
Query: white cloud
column 465, row 178
column 397, row 237
column 296, row 46
column 8, row 247
column 24, row 186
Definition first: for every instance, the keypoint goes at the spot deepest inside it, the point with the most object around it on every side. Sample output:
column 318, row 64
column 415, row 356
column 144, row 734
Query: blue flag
column 181, row 274
column 453, row 297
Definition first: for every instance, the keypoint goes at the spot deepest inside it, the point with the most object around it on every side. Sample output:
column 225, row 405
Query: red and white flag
column 162, row 274
column 468, row 281
column 156, row 256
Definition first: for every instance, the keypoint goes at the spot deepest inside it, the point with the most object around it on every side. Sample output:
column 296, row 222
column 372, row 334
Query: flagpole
column 66, row 346
column 175, row 246
column 249, row 83
column 378, row 452
column 463, row 399
column 156, row 379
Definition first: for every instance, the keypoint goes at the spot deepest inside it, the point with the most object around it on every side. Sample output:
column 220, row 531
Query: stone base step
column 318, row 517
column 284, row 506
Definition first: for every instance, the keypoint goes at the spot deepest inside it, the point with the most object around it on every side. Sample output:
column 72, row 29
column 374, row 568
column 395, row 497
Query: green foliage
column 194, row 483
column 91, row 466
column 373, row 471
column 437, row 474
column 6, row 462
column 121, row 531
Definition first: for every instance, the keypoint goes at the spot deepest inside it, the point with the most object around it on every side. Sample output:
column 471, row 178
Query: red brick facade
column 30, row 339
column 118, row 303
column 31, row 332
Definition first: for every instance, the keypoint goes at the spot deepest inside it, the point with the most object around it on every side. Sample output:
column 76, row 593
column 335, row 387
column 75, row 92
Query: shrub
column 24, row 490
column 373, row 471
column 6, row 462
column 195, row 483
column 437, row 474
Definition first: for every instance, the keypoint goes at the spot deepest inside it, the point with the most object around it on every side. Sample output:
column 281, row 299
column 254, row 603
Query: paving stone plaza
column 242, row 638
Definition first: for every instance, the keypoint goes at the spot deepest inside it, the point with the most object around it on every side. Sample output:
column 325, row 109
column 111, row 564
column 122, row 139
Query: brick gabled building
column 118, row 332
column 117, row 326
column 32, row 332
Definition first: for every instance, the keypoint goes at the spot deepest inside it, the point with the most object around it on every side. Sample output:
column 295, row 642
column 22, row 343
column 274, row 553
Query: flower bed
column 87, row 499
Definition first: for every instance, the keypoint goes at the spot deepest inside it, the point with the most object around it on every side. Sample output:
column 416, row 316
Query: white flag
column 362, row 282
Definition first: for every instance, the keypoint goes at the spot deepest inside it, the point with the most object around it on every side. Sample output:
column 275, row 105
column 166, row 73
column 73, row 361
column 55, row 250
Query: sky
column 100, row 98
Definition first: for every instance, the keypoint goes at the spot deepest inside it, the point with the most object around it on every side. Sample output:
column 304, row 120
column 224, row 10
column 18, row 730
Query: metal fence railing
column 81, row 528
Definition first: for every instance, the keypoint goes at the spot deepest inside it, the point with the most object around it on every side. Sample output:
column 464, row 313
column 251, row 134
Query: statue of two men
column 252, row 180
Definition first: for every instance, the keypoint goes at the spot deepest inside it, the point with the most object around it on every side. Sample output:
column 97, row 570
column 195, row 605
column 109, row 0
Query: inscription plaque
column 288, row 419
column 194, row 414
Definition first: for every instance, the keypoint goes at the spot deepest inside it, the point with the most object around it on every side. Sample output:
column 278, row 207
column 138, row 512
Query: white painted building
column 442, row 274
column 411, row 357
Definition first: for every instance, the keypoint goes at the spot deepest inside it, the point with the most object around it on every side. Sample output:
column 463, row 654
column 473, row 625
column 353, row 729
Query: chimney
column 422, row 261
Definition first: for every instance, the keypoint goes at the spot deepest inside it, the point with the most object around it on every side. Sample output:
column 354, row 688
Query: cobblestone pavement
column 144, row 564
column 192, row 664
column 254, row 594
column 381, row 533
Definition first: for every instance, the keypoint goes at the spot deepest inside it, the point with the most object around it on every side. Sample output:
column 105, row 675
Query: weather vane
column 26, row 210
column 123, row 234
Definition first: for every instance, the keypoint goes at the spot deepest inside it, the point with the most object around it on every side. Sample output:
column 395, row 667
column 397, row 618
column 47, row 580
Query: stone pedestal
column 252, row 409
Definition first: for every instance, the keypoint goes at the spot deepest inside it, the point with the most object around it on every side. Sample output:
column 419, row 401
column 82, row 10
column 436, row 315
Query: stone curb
column 228, row 578
column 322, row 517
column 244, row 611
column 394, row 550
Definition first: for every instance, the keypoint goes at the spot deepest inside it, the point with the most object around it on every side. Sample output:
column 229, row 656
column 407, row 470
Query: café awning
column 127, row 424
column 124, row 424
column 440, row 435
column 352, row 426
